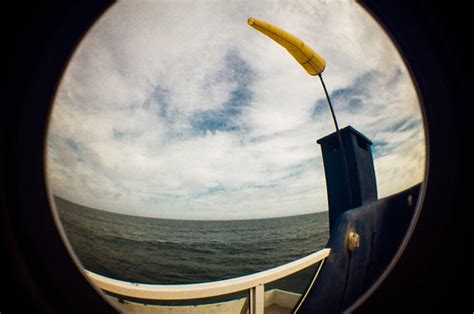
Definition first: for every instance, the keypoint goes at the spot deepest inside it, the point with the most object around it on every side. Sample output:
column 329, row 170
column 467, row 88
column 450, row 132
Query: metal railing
column 254, row 282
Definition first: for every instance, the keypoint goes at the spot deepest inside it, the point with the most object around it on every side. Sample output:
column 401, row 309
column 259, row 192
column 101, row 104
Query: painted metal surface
column 347, row 275
column 350, row 187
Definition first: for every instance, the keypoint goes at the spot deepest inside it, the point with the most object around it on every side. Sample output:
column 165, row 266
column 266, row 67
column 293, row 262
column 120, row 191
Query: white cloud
column 128, row 129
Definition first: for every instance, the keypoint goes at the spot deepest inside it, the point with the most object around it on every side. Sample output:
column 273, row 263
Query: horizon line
column 188, row 219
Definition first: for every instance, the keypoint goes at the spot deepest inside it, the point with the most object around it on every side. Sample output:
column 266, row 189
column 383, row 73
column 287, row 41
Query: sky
column 179, row 109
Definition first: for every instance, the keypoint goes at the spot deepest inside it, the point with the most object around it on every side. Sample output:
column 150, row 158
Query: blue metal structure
column 346, row 275
column 379, row 225
column 354, row 186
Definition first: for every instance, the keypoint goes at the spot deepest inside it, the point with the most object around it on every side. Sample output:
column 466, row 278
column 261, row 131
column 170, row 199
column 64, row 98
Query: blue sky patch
column 225, row 119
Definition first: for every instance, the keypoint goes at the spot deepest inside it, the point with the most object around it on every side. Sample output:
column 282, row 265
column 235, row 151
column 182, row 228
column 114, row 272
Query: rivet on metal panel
column 353, row 241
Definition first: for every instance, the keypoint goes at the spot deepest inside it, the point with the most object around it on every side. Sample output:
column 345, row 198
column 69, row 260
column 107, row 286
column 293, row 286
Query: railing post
column 257, row 299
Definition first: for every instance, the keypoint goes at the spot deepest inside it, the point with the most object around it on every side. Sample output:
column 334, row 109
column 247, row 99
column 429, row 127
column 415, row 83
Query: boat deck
column 276, row 302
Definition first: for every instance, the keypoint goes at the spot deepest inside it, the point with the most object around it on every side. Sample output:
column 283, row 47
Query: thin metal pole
column 330, row 105
column 339, row 137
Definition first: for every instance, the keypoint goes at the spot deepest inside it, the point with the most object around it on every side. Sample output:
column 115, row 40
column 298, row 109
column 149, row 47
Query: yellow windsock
column 312, row 62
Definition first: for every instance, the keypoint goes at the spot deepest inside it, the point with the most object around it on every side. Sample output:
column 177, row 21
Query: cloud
column 181, row 110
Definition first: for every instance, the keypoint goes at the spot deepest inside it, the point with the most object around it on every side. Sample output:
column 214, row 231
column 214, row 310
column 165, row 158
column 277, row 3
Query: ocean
column 167, row 251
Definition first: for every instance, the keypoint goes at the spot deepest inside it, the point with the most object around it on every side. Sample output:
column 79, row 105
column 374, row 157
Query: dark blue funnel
column 355, row 186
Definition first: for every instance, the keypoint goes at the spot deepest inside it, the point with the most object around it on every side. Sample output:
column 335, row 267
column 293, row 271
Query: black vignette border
column 432, row 272
column 40, row 37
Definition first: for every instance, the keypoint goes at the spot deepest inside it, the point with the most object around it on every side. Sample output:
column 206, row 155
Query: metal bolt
column 353, row 241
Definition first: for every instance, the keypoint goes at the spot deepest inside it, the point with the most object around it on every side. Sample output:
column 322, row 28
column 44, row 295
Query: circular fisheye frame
column 236, row 157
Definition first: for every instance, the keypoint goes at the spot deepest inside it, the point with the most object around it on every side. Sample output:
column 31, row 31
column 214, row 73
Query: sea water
column 167, row 251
